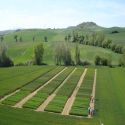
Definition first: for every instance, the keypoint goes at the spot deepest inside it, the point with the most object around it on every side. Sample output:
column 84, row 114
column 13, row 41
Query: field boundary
column 71, row 99
column 24, row 100
column 50, row 98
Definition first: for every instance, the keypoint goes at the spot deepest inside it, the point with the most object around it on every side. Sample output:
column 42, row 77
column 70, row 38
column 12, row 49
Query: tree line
column 95, row 39
column 18, row 38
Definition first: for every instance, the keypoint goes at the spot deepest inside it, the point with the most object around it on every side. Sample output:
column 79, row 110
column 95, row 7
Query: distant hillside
column 6, row 32
column 87, row 26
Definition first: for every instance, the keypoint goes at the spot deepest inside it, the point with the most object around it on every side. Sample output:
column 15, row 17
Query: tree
column 122, row 59
column 16, row 38
column 1, row 38
column 100, row 39
column 77, row 54
column 39, row 51
column 97, row 60
column 33, row 38
column 69, row 37
column 63, row 54
column 66, row 38
column 5, row 61
column 45, row 39
column 20, row 39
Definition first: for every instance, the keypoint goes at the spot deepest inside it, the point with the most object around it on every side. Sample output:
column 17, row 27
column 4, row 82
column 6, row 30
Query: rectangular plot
column 58, row 103
column 81, row 104
column 30, row 87
column 15, row 98
column 48, row 89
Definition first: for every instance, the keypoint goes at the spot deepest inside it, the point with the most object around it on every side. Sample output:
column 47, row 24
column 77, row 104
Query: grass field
column 109, row 102
column 28, row 88
column 22, row 52
column 13, row 78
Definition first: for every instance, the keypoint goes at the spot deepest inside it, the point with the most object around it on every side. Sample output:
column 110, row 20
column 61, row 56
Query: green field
column 22, row 52
column 109, row 98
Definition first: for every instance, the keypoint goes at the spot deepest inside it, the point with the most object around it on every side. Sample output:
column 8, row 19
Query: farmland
column 107, row 80
column 110, row 81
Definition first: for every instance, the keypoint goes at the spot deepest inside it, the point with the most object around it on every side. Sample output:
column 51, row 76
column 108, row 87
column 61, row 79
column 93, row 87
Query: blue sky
column 60, row 13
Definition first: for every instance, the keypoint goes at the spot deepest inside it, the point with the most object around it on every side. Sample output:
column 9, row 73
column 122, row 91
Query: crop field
column 82, row 101
column 62, row 94
column 25, row 90
column 62, row 82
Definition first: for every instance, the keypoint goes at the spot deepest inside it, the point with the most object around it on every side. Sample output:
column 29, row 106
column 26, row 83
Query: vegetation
column 28, row 88
column 109, row 100
column 39, row 51
column 81, row 104
column 58, row 103
column 8, row 76
column 103, row 61
column 5, row 61
column 42, row 95
column 63, row 54
column 97, row 39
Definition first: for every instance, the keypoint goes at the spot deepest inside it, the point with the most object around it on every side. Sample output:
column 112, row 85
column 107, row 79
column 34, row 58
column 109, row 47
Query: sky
column 16, row 14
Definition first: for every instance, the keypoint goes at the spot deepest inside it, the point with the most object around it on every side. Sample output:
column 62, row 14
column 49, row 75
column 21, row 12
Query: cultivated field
column 61, row 95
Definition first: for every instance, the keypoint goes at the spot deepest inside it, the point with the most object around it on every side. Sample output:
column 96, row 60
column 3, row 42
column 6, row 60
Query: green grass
column 22, row 52
column 58, row 103
column 25, row 90
column 11, row 116
column 110, row 94
column 13, row 78
column 110, row 104
column 42, row 95
column 81, row 104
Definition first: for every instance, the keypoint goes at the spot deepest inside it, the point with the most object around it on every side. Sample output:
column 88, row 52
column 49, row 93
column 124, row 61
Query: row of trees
column 63, row 55
column 95, row 39
column 20, row 38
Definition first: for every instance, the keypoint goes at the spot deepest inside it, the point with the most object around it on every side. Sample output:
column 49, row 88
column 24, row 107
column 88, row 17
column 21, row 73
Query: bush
column 84, row 63
column 102, row 61
column 39, row 51
column 5, row 61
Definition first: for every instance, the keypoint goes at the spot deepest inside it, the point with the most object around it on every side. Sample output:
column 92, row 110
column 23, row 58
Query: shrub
column 5, row 61
column 39, row 51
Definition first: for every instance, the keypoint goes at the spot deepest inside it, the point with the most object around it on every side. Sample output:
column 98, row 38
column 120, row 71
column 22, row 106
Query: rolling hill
column 22, row 52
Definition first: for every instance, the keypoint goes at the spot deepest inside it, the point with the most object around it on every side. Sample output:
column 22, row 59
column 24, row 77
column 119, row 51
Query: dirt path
column 92, row 103
column 5, row 97
column 50, row 98
column 23, row 101
column 71, row 100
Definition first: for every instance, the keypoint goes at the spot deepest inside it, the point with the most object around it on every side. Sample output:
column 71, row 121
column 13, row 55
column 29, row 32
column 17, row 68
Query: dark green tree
column 39, row 51
column 1, row 38
column 16, row 38
column 45, row 39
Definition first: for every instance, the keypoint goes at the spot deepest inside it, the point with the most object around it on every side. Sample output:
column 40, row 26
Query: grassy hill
column 23, row 51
